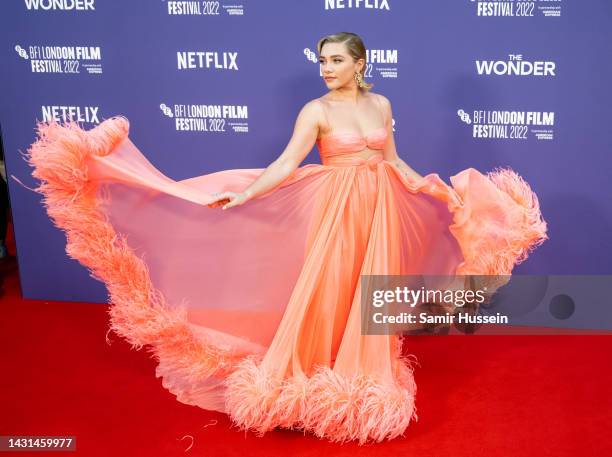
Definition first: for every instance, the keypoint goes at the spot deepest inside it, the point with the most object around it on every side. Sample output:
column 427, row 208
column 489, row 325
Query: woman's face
column 337, row 66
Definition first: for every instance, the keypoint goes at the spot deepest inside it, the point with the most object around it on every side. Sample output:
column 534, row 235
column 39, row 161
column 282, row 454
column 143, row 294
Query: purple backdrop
column 448, row 68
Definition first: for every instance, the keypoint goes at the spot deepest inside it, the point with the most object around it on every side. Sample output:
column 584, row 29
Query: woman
column 255, row 312
column 342, row 59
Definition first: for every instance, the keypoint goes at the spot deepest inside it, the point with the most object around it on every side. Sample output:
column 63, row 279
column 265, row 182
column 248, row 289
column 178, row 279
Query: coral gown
column 254, row 311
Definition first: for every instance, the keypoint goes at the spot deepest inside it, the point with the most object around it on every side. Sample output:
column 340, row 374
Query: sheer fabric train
column 254, row 311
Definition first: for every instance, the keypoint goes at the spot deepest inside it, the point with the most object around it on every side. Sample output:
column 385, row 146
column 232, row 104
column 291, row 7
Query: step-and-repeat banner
column 211, row 85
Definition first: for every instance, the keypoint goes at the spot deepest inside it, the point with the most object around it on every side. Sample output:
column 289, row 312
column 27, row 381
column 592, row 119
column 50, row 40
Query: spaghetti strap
column 325, row 114
column 384, row 119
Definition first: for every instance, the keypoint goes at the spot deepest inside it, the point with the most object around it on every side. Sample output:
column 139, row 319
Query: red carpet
column 477, row 396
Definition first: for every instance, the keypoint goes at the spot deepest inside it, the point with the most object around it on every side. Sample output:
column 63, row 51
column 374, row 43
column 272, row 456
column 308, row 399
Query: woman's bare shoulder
column 314, row 104
column 311, row 113
column 314, row 108
column 381, row 98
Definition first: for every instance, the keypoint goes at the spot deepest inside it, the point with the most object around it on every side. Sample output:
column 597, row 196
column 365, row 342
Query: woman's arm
column 305, row 134
column 390, row 153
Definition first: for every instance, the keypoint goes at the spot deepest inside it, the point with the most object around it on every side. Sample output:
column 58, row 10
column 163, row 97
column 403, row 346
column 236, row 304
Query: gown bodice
column 340, row 148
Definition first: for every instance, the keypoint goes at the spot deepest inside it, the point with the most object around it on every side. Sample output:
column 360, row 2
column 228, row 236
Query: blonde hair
column 354, row 45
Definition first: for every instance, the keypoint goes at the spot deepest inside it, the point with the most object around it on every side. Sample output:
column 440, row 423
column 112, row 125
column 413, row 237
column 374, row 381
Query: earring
column 359, row 80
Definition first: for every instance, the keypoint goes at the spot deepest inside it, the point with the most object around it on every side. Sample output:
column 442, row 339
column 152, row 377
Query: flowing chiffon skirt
column 255, row 311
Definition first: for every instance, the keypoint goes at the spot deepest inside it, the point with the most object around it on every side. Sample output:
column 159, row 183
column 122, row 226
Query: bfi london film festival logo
column 509, row 125
column 64, row 113
column 62, row 59
column 379, row 62
column 202, row 8
column 60, row 5
column 517, row 8
column 215, row 60
column 365, row 4
column 512, row 125
column 207, row 118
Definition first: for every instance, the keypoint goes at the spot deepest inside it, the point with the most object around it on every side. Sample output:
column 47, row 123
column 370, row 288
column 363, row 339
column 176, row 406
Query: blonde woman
column 255, row 311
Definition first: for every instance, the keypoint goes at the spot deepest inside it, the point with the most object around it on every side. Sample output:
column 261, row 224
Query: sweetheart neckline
column 353, row 134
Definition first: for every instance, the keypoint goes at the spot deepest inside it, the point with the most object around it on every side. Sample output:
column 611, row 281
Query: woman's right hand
column 228, row 199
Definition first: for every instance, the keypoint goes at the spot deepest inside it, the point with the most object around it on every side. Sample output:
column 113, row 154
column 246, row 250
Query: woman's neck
column 351, row 95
